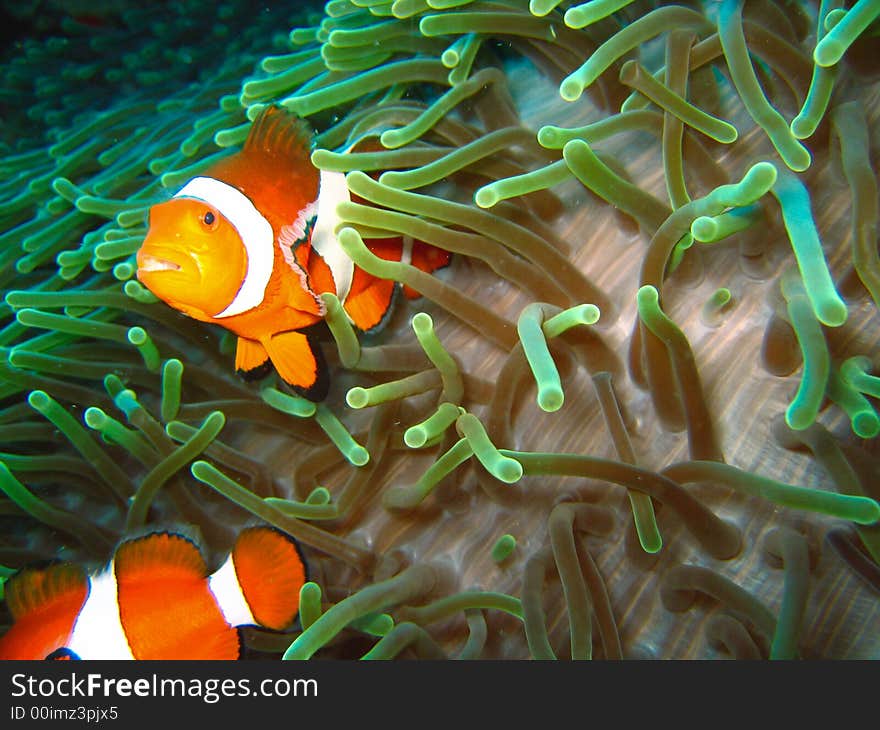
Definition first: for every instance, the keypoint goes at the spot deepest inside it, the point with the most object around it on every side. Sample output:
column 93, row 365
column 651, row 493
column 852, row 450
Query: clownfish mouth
column 153, row 263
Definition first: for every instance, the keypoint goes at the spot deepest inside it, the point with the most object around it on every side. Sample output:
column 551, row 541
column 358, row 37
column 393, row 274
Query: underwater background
column 634, row 418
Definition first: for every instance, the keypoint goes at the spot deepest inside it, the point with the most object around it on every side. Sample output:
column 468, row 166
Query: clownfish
column 251, row 244
column 155, row 600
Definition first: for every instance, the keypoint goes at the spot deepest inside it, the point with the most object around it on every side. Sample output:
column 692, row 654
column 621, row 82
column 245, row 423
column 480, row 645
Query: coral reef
column 635, row 418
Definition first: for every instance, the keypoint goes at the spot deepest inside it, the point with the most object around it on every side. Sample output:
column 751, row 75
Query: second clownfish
column 251, row 244
column 155, row 601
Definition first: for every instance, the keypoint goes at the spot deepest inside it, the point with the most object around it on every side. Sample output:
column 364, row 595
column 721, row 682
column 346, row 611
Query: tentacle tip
column 833, row 313
column 358, row 456
column 357, row 397
column 704, row 229
column 799, row 162
column 391, row 139
column 871, row 515
column 509, row 470
column 94, row 417
column 201, row 470
column 548, row 136
column 647, row 294
column 485, row 197
column 866, row 425
column 762, row 174
column 422, row 323
column 137, row 335
column 652, row 547
column 574, row 19
column 828, row 52
column 796, row 419
column 550, row 399
column 570, row 89
column 801, row 127
column 173, row 365
column 415, row 437
column 38, row 399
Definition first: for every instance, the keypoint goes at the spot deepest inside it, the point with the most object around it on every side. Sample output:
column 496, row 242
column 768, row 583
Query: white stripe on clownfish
column 289, row 237
column 98, row 632
column 333, row 191
column 255, row 232
column 226, row 589
column 301, row 228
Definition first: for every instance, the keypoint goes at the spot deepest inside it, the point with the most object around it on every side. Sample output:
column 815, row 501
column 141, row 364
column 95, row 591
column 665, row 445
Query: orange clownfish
column 155, row 601
column 251, row 244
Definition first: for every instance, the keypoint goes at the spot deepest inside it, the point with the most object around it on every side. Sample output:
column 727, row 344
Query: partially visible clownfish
column 251, row 244
column 155, row 601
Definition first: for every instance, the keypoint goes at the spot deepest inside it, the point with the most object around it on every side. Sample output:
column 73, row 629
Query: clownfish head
column 192, row 257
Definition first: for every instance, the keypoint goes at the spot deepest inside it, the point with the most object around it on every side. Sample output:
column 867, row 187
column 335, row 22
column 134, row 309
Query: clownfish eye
column 208, row 219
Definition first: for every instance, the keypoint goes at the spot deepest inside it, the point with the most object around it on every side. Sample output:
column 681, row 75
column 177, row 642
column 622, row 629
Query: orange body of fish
column 250, row 245
column 155, row 601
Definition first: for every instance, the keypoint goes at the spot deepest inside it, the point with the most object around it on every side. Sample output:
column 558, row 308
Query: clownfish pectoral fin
column 270, row 571
column 300, row 363
column 251, row 359
column 427, row 258
column 44, row 603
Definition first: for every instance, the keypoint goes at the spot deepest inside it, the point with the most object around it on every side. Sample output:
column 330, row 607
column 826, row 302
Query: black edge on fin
column 126, row 543
column 257, row 373
column 393, row 302
column 319, row 389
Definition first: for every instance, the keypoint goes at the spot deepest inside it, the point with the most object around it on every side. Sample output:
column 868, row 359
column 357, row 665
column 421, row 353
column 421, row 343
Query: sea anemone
column 634, row 418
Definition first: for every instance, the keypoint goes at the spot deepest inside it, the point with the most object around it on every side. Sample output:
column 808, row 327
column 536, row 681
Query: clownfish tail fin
column 260, row 582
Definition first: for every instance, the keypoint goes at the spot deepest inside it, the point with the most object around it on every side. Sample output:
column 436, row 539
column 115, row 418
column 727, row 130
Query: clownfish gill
column 250, row 245
column 156, row 600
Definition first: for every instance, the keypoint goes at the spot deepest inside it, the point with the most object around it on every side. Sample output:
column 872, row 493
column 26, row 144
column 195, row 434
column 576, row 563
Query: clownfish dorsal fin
column 278, row 133
column 39, row 589
column 270, row 572
column 274, row 168
column 160, row 556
